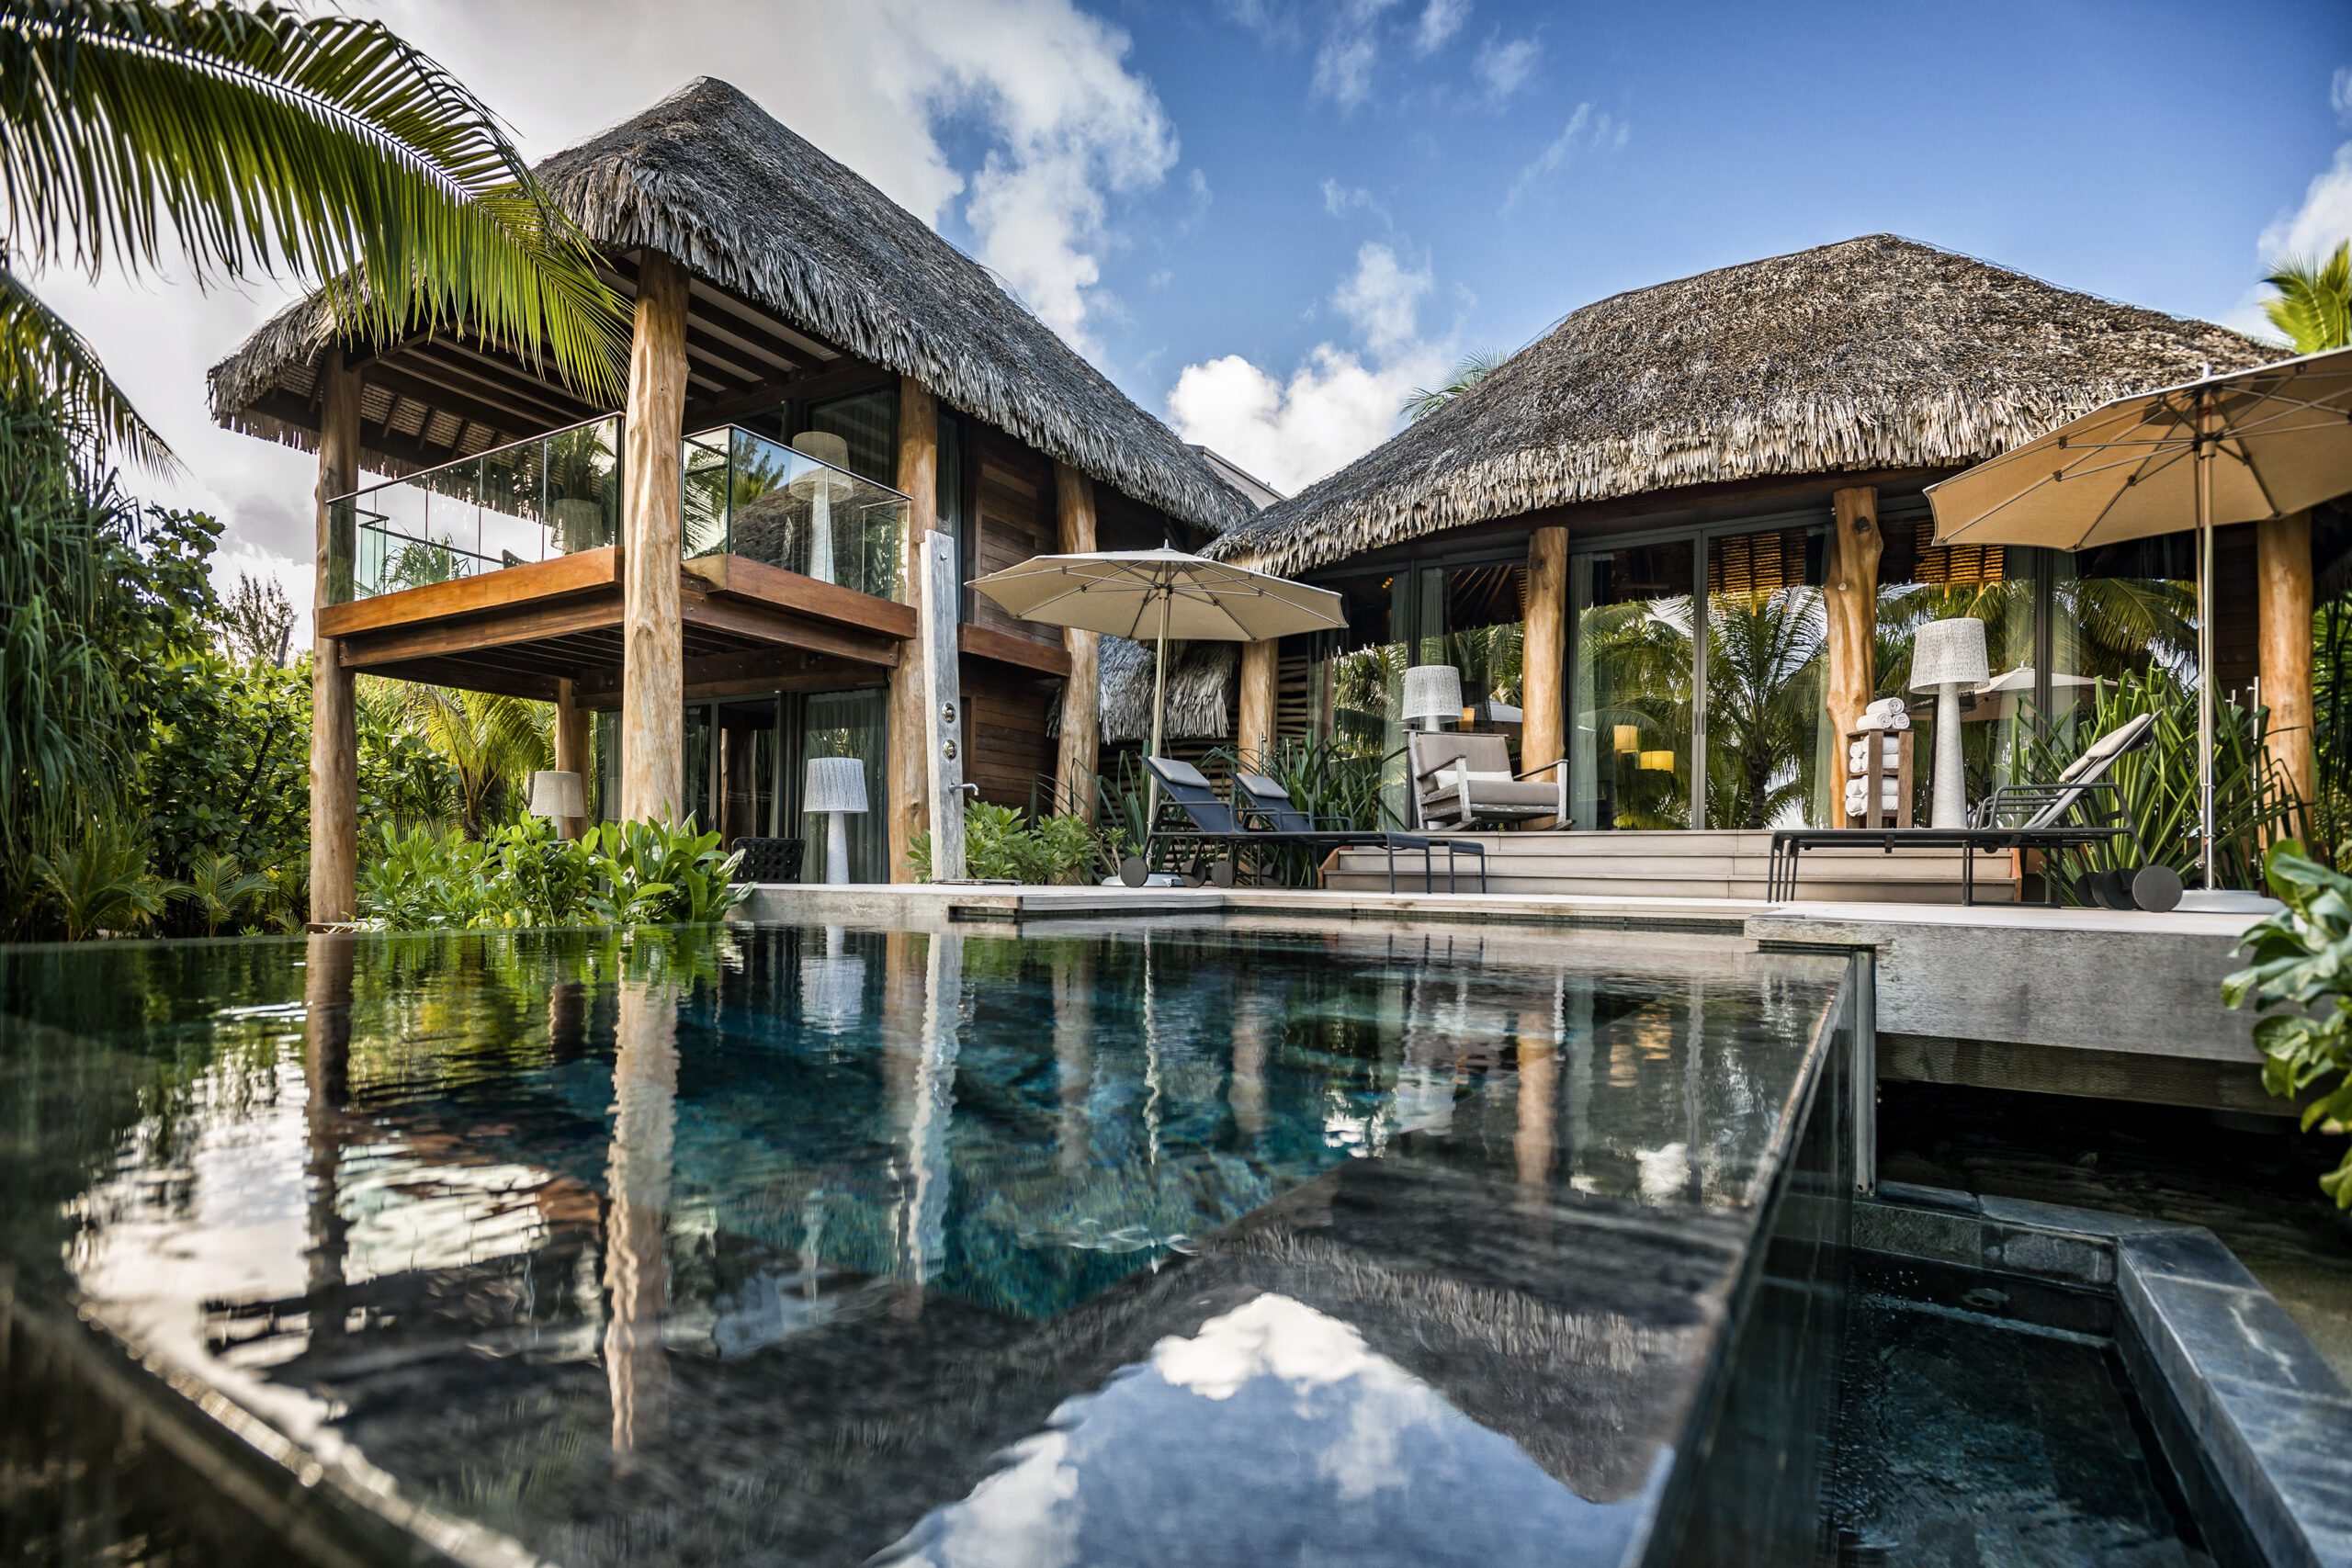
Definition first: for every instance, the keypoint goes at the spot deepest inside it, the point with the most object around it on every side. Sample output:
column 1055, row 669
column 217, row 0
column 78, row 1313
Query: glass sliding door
column 1769, row 745
column 1920, row 581
column 1485, row 621
column 1633, row 680
column 840, row 724
column 1359, row 680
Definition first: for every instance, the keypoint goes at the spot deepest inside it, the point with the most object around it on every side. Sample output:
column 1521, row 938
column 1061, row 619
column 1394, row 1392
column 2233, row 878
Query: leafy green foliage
column 100, row 883
column 2300, row 980
column 2312, row 308
column 222, row 892
column 2157, row 787
column 1467, row 372
column 622, row 874
column 1001, row 845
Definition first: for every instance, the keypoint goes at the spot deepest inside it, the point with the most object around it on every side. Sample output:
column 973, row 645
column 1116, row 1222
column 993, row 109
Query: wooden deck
column 520, row 630
column 1711, row 866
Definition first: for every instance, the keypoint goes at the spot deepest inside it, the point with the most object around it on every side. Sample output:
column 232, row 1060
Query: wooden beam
column 404, row 379
column 530, row 405
column 908, row 810
column 335, row 719
column 474, row 634
column 1849, row 606
column 572, row 752
column 1077, row 754
column 2282, row 558
column 741, row 577
column 652, row 683
column 1544, row 656
column 463, row 675
column 1008, row 647
column 784, row 628
column 1253, row 718
column 582, row 571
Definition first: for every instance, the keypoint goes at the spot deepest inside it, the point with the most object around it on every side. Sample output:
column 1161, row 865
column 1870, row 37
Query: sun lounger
column 1192, row 817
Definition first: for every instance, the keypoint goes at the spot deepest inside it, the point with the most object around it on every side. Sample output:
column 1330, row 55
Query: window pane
column 1920, row 581
column 1485, row 627
column 1631, row 745
column 847, row 724
column 868, row 423
column 1360, row 681
column 1768, row 736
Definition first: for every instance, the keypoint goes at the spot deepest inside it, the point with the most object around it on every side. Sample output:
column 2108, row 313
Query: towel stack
column 1858, row 755
column 1857, row 797
column 1884, row 713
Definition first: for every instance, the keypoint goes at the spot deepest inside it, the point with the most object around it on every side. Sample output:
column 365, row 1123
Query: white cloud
column 2321, row 223
column 1338, row 200
column 1441, row 19
column 1382, row 297
column 1349, row 53
column 1336, row 405
column 2339, row 94
column 1589, row 131
column 1505, row 68
column 1062, row 127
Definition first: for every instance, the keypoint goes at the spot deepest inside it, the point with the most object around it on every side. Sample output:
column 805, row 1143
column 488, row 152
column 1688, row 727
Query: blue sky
column 1268, row 221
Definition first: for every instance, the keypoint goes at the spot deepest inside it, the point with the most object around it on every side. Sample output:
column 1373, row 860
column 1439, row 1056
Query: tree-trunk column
column 1544, row 656
column 571, row 752
column 1255, row 712
column 910, row 805
column 334, row 724
column 1079, row 752
column 1849, row 606
column 2282, row 564
column 653, row 691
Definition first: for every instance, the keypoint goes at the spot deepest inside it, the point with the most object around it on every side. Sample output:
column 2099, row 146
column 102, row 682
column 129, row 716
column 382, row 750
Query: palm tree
column 492, row 743
column 1763, row 703
column 241, row 141
column 2313, row 307
column 1423, row 401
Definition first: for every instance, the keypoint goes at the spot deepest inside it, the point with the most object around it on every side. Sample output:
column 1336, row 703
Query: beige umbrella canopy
column 1157, row 595
column 2234, row 448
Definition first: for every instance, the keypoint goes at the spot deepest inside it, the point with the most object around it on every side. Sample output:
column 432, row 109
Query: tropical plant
column 1467, row 372
column 1764, row 705
column 2300, row 980
column 492, row 743
column 2157, row 787
column 663, row 874
column 1000, row 845
column 623, row 874
column 2312, row 308
column 1335, row 783
column 221, row 891
column 2331, row 726
column 257, row 623
column 259, row 140
column 100, row 883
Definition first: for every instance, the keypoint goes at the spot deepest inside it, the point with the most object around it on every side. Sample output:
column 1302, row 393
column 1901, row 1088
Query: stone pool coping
column 2270, row 1421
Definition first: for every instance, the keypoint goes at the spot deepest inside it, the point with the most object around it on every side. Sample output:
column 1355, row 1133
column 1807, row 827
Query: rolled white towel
column 1890, row 714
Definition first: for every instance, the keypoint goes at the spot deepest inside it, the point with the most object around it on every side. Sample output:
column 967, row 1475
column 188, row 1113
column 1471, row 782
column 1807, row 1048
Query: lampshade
column 556, row 794
column 826, row 447
column 1657, row 762
column 835, row 784
column 1628, row 736
column 1949, row 653
column 1432, row 691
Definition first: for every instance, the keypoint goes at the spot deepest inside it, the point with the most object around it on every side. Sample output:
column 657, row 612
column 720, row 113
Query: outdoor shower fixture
column 1433, row 692
column 1945, row 657
column 836, row 786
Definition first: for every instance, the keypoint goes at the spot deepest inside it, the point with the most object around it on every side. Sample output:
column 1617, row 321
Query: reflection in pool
column 1182, row 1244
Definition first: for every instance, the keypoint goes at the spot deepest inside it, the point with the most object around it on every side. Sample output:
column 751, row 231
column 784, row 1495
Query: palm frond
column 1471, row 369
column 2312, row 310
column 40, row 352
column 261, row 138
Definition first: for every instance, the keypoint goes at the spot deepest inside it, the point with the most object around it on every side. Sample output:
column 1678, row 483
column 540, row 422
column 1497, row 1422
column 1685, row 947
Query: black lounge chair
column 1191, row 816
column 2020, row 817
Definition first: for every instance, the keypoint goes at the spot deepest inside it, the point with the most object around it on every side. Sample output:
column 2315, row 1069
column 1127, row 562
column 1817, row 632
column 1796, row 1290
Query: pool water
column 1973, row 1438
column 785, row 1244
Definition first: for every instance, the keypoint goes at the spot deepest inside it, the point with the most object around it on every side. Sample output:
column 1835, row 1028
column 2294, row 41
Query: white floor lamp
column 1433, row 692
column 836, row 786
column 1945, row 657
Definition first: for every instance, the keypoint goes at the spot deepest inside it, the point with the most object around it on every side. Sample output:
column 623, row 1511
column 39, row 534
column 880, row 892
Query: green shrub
column 1000, row 845
column 100, row 883
column 2300, row 980
column 623, row 874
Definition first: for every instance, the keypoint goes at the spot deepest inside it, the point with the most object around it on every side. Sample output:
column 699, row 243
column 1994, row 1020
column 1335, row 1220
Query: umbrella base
column 2226, row 901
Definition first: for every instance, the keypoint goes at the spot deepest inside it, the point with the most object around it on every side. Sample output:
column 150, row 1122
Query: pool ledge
column 2269, row 1420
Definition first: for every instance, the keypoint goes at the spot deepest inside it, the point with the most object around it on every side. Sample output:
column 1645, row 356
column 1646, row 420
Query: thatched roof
column 708, row 178
column 1198, row 681
column 1876, row 353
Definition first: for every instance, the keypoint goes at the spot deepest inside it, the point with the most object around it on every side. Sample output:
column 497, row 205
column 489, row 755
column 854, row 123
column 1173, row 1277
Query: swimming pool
column 1190, row 1243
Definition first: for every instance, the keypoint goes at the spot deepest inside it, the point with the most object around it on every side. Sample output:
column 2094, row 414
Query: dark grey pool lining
column 2252, row 1416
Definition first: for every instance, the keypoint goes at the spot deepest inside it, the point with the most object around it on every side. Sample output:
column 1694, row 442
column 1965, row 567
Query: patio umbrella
column 2234, row 448
column 1160, row 594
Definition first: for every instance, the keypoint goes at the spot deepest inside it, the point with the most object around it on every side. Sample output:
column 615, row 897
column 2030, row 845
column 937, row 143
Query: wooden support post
column 653, row 692
column 943, row 701
column 1079, row 752
column 909, row 812
column 334, row 721
column 1543, row 662
column 1253, row 721
column 2282, row 558
column 1849, row 605
column 571, row 752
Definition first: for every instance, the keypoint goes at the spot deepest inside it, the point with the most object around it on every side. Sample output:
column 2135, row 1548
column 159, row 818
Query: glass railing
column 528, row 500
column 747, row 495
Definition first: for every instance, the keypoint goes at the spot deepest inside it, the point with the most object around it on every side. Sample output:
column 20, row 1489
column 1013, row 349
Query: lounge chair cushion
column 1452, row 778
column 1507, row 794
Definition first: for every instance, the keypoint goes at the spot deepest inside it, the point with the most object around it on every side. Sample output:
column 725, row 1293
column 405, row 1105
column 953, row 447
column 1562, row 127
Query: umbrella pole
column 1158, row 707
column 2205, row 638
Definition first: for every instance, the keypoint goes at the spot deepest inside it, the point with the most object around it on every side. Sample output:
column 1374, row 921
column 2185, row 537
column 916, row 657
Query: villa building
column 718, row 572
column 1755, row 441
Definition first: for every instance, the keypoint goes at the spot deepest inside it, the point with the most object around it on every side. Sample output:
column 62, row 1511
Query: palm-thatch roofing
column 1872, row 354
column 710, row 179
column 1200, row 675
